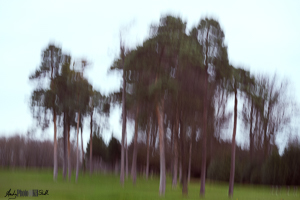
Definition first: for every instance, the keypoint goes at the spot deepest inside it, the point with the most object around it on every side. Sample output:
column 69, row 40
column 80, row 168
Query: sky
column 262, row 36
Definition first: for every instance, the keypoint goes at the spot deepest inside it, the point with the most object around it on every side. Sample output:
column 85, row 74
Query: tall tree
column 240, row 81
column 211, row 38
column 100, row 104
column 119, row 65
column 123, row 117
column 81, row 96
column 64, row 93
column 232, row 169
column 156, row 58
column 49, row 69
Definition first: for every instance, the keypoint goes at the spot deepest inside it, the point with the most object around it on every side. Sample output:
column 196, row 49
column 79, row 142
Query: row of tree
column 276, row 170
column 175, row 88
column 180, row 83
column 26, row 152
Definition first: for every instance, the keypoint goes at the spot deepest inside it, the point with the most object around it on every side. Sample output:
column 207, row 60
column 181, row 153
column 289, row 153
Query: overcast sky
column 262, row 36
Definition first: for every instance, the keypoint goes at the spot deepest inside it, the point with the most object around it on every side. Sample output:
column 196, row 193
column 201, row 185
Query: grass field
column 107, row 186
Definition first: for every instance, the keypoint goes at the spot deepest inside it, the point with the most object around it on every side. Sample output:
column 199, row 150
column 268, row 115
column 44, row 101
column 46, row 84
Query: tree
column 155, row 58
column 211, row 38
column 188, row 101
column 119, row 65
column 81, row 96
column 100, row 104
column 138, row 104
column 241, row 80
column 231, row 179
column 65, row 103
column 169, row 29
column 49, row 69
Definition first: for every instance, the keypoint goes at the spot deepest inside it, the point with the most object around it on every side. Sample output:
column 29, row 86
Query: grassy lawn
column 107, row 186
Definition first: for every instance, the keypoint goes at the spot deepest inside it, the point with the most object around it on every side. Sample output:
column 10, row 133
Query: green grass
column 107, row 186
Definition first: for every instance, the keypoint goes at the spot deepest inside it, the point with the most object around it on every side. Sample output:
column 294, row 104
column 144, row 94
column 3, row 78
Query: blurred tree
column 189, row 102
column 65, row 103
column 81, row 98
column 153, row 59
column 240, row 80
column 99, row 148
column 139, row 101
column 100, row 104
column 248, row 113
column 46, row 98
column 211, row 38
column 119, row 65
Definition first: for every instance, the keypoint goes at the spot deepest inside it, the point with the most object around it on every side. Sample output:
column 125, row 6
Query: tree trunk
column 55, row 147
column 134, row 156
column 91, row 144
column 193, row 138
column 77, row 158
column 160, row 114
column 251, row 132
column 175, row 172
column 203, row 163
column 83, row 160
column 266, row 139
column 183, row 160
column 232, row 169
column 256, row 128
column 123, row 126
column 172, row 127
column 65, row 147
column 54, row 121
column 69, row 151
column 180, row 171
column 190, row 162
column 126, row 157
column 148, row 135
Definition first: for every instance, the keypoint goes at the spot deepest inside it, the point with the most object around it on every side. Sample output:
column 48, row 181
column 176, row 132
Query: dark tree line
column 22, row 152
column 276, row 170
column 107, row 155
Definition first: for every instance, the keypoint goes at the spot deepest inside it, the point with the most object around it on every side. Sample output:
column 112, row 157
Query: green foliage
column 51, row 61
column 108, row 153
column 44, row 97
column 99, row 147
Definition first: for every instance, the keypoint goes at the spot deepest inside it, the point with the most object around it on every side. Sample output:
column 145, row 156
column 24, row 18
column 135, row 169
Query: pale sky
column 262, row 36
